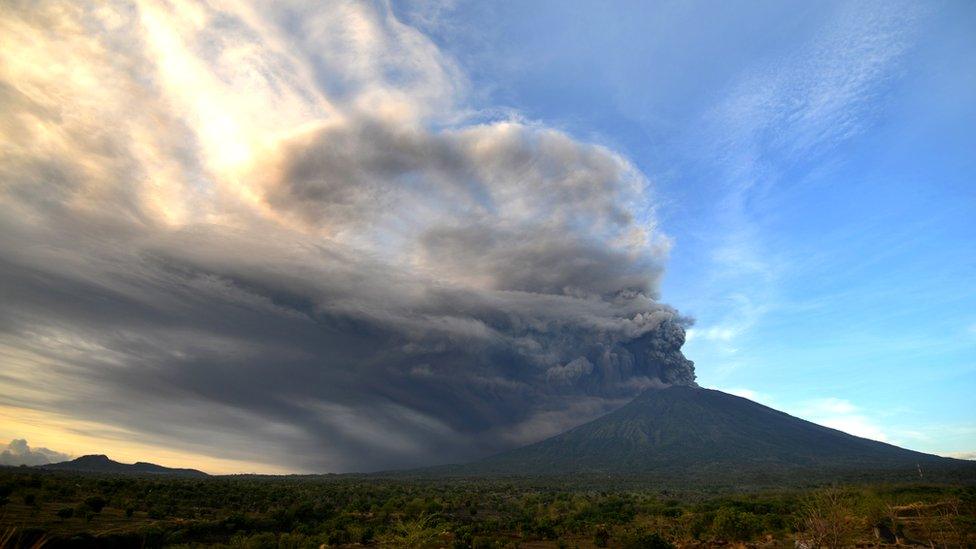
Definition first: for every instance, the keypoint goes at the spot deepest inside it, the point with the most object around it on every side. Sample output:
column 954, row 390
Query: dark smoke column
column 657, row 354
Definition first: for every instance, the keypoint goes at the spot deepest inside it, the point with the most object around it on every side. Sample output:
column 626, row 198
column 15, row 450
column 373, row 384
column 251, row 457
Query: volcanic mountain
column 684, row 431
column 98, row 463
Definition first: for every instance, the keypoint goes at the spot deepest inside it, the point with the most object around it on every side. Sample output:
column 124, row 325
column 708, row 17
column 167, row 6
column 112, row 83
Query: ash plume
column 378, row 288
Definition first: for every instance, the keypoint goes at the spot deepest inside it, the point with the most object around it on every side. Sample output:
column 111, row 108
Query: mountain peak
column 681, row 430
column 93, row 458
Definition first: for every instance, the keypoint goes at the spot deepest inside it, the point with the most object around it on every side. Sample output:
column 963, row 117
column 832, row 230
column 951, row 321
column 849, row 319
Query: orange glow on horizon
column 78, row 438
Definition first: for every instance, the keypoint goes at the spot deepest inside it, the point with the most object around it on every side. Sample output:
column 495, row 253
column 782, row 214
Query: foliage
column 735, row 525
column 418, row 532
column 642, row 539
column 372, row 511
column 827, row 518
column 95, row 503
column 601, row 538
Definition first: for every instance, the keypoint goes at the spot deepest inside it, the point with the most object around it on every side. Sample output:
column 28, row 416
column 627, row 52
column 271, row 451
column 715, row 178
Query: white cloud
column 715, row 333
column 744, row 393
column 18, row 452
column 834, row 406
column 842, row 415
column 855, row 425
column 755, row 396
column 837, row 413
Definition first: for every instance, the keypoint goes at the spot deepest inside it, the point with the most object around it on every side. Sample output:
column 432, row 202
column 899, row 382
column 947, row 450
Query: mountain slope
column 102, row 464
column 685, row 430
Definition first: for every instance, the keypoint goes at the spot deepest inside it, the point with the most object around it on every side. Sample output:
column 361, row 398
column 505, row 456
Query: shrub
column 734, row 525
column 601, row 537
column 364, row 535
column 642, row 539
column 697, row 524
column 415, row 533
column 264, row 540
column 483, row 542
column 339, row 536
column 95, row 503
column 463, row 538
column 827, row 519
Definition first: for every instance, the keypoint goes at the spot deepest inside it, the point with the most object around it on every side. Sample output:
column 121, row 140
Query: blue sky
column 813, row 164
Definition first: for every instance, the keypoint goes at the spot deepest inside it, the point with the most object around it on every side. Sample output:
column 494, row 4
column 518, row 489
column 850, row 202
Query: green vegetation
column 71, row 509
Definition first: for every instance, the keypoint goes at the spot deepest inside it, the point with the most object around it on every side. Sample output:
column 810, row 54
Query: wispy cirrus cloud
column 772, row 125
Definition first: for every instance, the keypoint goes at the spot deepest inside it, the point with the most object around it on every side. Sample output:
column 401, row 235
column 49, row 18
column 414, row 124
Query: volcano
column 683, row 431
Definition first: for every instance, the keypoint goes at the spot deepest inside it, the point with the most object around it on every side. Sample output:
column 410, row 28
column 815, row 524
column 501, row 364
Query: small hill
column 682, row 431
column 98, row 463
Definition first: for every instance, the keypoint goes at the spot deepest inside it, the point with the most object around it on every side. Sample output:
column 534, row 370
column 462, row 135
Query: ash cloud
column 377, row 289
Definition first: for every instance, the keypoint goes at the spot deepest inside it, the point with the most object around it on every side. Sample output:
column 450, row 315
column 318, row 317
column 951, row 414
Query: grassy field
column 64, row 509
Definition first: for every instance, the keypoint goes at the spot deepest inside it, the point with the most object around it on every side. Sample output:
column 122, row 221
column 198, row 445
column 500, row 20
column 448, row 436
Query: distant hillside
column 690, row 431
column 102, row 464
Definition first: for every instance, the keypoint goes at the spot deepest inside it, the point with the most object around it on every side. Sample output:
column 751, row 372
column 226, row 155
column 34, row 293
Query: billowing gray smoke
column 369, row 291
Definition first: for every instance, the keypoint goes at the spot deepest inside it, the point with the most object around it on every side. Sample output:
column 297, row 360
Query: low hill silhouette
column 99, row 463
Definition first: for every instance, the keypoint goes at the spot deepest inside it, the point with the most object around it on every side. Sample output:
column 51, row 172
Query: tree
column 83, row 510
column 734, row 525
column 642, row 539
column 95, row 503
column 601, row 537
column 827, row 519
column 5, row 491
column 415, row 533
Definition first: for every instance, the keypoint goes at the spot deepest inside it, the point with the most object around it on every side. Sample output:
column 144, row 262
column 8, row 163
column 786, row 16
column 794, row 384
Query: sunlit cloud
column 18, row 452
column 239, row 235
